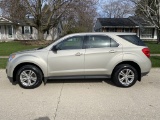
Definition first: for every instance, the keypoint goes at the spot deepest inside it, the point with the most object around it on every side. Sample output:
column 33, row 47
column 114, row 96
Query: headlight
column 11, row 57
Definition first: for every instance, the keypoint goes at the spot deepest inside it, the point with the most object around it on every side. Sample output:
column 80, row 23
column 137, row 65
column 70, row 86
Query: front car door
column 68, row 59
column 101, row 54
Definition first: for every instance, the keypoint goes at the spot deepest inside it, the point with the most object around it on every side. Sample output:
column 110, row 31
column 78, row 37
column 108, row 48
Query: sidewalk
column 4, row 56
column 155, row 54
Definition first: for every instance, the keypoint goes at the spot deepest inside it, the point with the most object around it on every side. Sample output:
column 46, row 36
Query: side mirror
column 55, row 49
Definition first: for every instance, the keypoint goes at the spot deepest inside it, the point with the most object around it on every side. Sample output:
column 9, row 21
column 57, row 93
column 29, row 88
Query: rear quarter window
column 133, row 39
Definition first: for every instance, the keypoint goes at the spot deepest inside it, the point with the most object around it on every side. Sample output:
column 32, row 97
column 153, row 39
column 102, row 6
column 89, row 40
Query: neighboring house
column 147, row 31
column 10, row 30
column 143, row 29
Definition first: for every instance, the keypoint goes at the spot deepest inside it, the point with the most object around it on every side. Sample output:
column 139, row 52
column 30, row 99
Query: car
column 123, row 57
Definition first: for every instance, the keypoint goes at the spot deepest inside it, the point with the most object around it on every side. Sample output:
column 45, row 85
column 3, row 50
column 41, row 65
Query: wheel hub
column 28, row 77
column 126, row 77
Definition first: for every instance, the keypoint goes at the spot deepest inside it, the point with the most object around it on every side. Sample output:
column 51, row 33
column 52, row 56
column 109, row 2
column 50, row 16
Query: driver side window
column 71, row 43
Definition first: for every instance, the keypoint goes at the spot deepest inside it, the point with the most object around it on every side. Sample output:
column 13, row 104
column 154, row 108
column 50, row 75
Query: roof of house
column 4, row 20
column 116, row 22
column 141, row 21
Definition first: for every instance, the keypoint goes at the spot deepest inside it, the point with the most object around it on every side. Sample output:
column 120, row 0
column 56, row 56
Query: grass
column 153, row 46
column 154, row 59
column 7, row 48
column 3, row 63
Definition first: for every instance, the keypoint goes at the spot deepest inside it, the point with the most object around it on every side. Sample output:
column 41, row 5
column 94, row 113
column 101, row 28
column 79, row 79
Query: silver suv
column 123, row 57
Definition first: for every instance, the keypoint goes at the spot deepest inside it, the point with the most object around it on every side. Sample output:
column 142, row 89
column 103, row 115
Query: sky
column 99, row 7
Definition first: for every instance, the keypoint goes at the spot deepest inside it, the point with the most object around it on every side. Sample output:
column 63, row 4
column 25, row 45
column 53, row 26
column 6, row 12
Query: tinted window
column 71, row 43
column 100, row 42
column 133, row 39
column 114, row 43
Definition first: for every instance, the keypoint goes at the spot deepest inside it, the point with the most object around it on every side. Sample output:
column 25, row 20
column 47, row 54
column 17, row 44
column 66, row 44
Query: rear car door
column 101, row 53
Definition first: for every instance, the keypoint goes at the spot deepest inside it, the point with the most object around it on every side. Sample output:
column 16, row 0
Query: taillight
column 146, row 51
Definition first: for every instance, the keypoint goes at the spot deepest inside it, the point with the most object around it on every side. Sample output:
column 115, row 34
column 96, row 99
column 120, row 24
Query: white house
column 145, row 30
column 10, row 30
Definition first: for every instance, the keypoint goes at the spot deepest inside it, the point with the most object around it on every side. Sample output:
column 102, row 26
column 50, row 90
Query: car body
column 82, row 55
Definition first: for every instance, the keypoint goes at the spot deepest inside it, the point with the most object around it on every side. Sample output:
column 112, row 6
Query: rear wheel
column 29, row 77
column 125, row 75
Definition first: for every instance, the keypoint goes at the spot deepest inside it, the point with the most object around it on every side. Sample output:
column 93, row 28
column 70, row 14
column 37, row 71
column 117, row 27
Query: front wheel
column 125, row 75
column 29, row 77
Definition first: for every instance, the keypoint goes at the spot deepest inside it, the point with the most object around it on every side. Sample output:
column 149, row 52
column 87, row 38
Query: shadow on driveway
column 108, row 81
column 43, row 118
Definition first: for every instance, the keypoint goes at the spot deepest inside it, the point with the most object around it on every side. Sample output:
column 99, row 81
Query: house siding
column 33, row 35
column 119, row 25
column 98, row 26
column 18, row 31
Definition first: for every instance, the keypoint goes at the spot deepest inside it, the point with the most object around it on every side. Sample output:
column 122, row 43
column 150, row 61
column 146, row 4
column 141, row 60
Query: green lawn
column 153, row 46
column 155, row 61
column 6, row 48
column 3, row 63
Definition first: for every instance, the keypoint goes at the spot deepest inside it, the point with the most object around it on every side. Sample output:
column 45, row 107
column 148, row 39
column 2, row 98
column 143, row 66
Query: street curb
column 4, row 56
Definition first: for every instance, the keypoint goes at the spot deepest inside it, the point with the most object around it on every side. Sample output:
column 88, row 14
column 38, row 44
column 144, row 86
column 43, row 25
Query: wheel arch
column 133, row 64
column 23, row 64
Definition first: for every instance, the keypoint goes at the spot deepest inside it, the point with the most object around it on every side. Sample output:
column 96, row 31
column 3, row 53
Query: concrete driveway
column 81, row 100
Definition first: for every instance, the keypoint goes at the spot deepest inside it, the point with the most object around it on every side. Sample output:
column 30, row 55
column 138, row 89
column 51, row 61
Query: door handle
column 78, row 54
column 112, row 51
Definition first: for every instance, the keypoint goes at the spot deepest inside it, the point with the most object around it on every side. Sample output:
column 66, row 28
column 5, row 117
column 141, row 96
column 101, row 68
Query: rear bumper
column 144, row 74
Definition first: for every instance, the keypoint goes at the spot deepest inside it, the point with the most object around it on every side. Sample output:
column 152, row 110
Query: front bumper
column 11, row 79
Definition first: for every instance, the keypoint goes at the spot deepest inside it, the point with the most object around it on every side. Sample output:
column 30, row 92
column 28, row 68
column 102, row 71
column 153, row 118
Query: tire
column 29, row 77
column 125, row 75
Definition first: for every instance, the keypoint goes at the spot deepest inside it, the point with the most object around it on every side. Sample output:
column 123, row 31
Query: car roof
column 104, row 33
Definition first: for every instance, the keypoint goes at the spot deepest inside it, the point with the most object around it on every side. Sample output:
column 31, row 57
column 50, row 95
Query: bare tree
column 45, row 13
column 81, row 16
column 150, row 9
column 118, row 8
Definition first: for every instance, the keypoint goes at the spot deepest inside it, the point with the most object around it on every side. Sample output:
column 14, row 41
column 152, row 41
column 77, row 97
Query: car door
column 101, row 54
column 67, row 58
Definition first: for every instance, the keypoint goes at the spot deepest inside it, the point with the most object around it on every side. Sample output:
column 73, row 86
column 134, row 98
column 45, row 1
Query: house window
column 10, row 31
column 112, row 29
column 47, row 32
column 27, row 30
column 59, row 30
column 147, row 33
column 127, row 29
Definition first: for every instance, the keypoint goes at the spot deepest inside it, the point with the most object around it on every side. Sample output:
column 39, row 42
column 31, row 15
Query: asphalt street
column 81, row 100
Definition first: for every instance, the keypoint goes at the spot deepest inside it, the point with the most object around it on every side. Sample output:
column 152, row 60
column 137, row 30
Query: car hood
column 28, row 51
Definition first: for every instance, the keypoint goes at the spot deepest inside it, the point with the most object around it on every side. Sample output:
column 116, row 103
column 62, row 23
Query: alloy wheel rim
column 126, row 77
column 28, row 78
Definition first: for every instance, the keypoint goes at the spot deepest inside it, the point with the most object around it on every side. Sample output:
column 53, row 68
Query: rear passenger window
column 114, row 43
column 101, row 42
column 133, row 39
